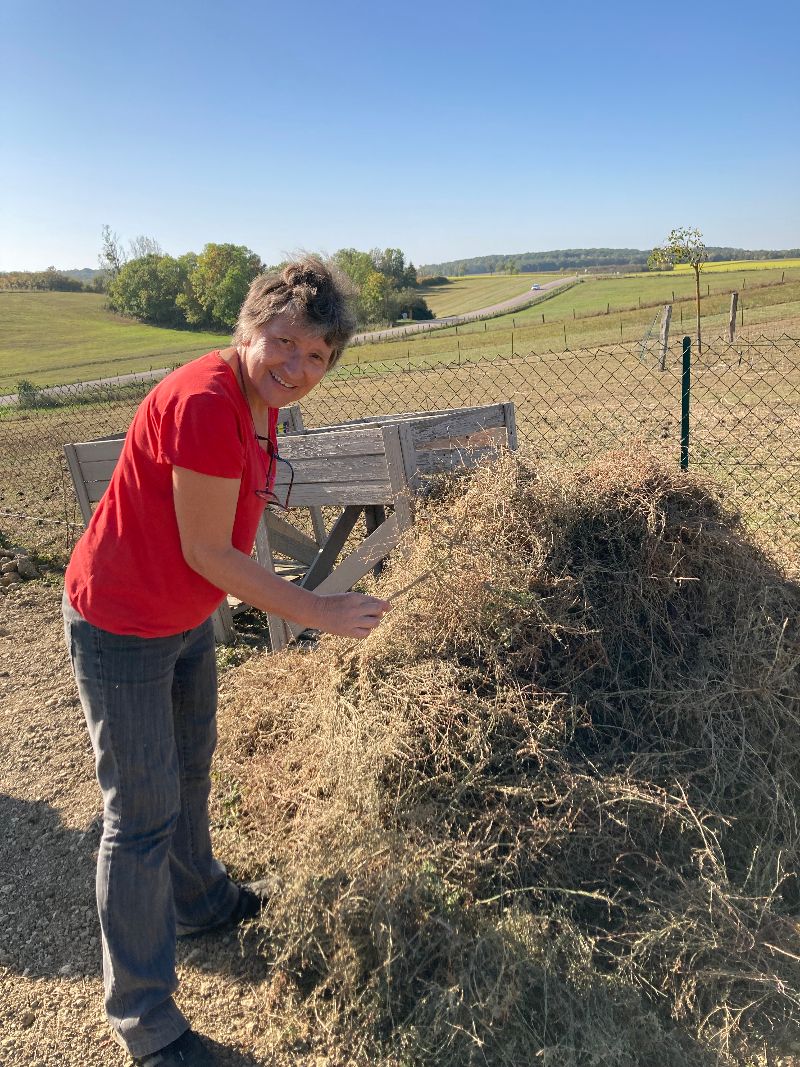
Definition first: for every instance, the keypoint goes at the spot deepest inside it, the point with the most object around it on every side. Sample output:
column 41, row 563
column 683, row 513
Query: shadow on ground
column 48, row 920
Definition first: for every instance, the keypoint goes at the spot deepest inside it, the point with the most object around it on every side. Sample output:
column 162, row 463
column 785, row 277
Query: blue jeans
column 150, row 705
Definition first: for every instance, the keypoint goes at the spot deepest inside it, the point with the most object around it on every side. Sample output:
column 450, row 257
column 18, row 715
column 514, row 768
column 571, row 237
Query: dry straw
column 548, row 811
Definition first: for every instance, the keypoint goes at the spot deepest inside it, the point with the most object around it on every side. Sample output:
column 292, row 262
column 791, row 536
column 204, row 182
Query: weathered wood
column 288, row 540
column 309, row 470
column 338, row 466
column 387, row 420
column 457, row 424
column 322, row 565
column 732, row 318
column 279, row 634
column 358, row 563
column 394, row 437
column 290, row 420
column 340, row 493
column 105, row 448
column 440, row 461
column 357, row 442
column 73, row 463
column 374, row 516
column 510, row 419
column 222, row 621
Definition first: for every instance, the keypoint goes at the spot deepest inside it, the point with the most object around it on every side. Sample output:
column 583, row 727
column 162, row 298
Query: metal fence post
column 685, row 396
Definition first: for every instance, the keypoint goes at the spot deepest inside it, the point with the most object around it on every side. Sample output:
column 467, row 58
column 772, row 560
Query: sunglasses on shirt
column 266, row 493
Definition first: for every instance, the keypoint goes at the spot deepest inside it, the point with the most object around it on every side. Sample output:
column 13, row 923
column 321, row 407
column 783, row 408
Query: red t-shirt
column 127, row 573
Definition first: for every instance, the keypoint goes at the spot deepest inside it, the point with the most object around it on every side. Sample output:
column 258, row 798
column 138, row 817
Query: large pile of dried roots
column 548, row 811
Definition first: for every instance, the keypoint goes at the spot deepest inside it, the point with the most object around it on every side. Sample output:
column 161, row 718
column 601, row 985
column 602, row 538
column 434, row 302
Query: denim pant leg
column 204, row 894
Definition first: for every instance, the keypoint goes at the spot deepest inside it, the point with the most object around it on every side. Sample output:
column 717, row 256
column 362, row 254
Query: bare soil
column 51, row 1012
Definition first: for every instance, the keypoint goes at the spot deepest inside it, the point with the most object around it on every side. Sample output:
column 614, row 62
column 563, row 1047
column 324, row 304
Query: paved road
column 523, row 300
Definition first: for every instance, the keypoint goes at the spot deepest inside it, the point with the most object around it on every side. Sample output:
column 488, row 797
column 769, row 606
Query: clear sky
column 446, row 129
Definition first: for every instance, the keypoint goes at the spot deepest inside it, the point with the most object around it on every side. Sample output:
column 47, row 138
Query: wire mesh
column 570, row 406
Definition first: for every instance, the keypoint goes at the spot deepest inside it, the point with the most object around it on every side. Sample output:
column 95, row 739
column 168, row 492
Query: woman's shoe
column 186, row 1051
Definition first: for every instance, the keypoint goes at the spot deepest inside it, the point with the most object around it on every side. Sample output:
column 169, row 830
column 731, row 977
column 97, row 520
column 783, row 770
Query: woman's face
column 284, row 360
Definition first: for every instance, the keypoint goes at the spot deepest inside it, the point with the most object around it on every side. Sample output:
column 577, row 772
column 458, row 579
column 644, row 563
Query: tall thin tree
column 683, row 245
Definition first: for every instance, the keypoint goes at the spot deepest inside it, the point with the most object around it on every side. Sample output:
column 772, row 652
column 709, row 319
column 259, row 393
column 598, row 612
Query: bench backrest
column 366, row 462
column 91, row 463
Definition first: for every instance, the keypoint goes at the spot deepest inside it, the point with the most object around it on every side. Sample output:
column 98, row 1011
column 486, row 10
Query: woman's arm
column 205, row 507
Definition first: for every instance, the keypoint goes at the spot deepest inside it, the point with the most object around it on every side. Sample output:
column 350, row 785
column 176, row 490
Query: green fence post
column 685, row 396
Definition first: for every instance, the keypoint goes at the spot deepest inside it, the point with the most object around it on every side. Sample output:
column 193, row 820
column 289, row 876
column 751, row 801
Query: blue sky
column 446, row 129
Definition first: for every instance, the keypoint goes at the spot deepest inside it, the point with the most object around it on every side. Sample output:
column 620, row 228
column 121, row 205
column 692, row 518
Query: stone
column 9, row 567
column 27, row 568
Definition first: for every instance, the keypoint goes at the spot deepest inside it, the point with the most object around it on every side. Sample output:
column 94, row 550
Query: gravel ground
column 50, row 972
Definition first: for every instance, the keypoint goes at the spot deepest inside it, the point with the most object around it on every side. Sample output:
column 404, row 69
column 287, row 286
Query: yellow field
column 741, row 264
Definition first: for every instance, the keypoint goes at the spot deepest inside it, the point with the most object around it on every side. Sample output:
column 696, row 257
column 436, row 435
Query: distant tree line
column 206, row 290
column 41, row 280
column 627, row 259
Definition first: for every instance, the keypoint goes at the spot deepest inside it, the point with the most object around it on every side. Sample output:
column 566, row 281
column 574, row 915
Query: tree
column 684, row 245
column 144, row 246
column 375, row 296
column 148, row 288
column 112, row 258
column 218, row 285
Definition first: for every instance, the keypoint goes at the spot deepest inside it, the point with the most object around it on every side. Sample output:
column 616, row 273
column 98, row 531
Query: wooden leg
column 222, row 621
column 374, row 516
column 323, row 564
column 278, row 635
column 359, row 562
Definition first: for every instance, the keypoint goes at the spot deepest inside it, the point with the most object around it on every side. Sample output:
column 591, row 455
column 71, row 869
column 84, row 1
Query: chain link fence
column 744, row 425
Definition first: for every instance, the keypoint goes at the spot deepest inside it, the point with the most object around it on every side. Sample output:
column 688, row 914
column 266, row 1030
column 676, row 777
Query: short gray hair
column 313, row 291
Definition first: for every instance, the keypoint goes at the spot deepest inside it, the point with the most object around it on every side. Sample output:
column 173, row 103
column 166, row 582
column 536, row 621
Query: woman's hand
column 350, row 614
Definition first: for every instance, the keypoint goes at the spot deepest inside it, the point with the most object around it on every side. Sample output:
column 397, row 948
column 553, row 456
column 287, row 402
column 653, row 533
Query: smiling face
column 283, row 361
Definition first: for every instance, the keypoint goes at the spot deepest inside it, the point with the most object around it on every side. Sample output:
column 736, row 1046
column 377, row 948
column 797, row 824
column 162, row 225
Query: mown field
column 57, row 338
column 601, row 311
column 462, row 295
column 60, row 338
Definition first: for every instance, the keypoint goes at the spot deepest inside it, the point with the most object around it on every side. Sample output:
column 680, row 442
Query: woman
column 172, row 535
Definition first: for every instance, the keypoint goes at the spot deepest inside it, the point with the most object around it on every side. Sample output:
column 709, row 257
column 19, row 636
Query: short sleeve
column 202, row 432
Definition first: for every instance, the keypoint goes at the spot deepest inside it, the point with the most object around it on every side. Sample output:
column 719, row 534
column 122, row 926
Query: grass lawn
column 59, row 338
column 55, row 338
column 521, row 332
column 462, row 295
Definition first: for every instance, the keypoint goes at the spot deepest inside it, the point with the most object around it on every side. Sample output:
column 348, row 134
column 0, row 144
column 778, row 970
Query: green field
column 599, row 311
column 59, row 338
column 56, row 338
column 462, row 295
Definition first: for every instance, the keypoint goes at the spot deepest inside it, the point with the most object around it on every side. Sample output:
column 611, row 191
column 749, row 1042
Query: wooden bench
column 374, row 466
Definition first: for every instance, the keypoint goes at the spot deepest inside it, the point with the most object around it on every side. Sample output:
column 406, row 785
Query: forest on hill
column 596, row 259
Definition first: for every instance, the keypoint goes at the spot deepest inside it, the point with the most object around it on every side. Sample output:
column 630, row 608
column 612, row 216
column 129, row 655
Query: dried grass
column 548, row 811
